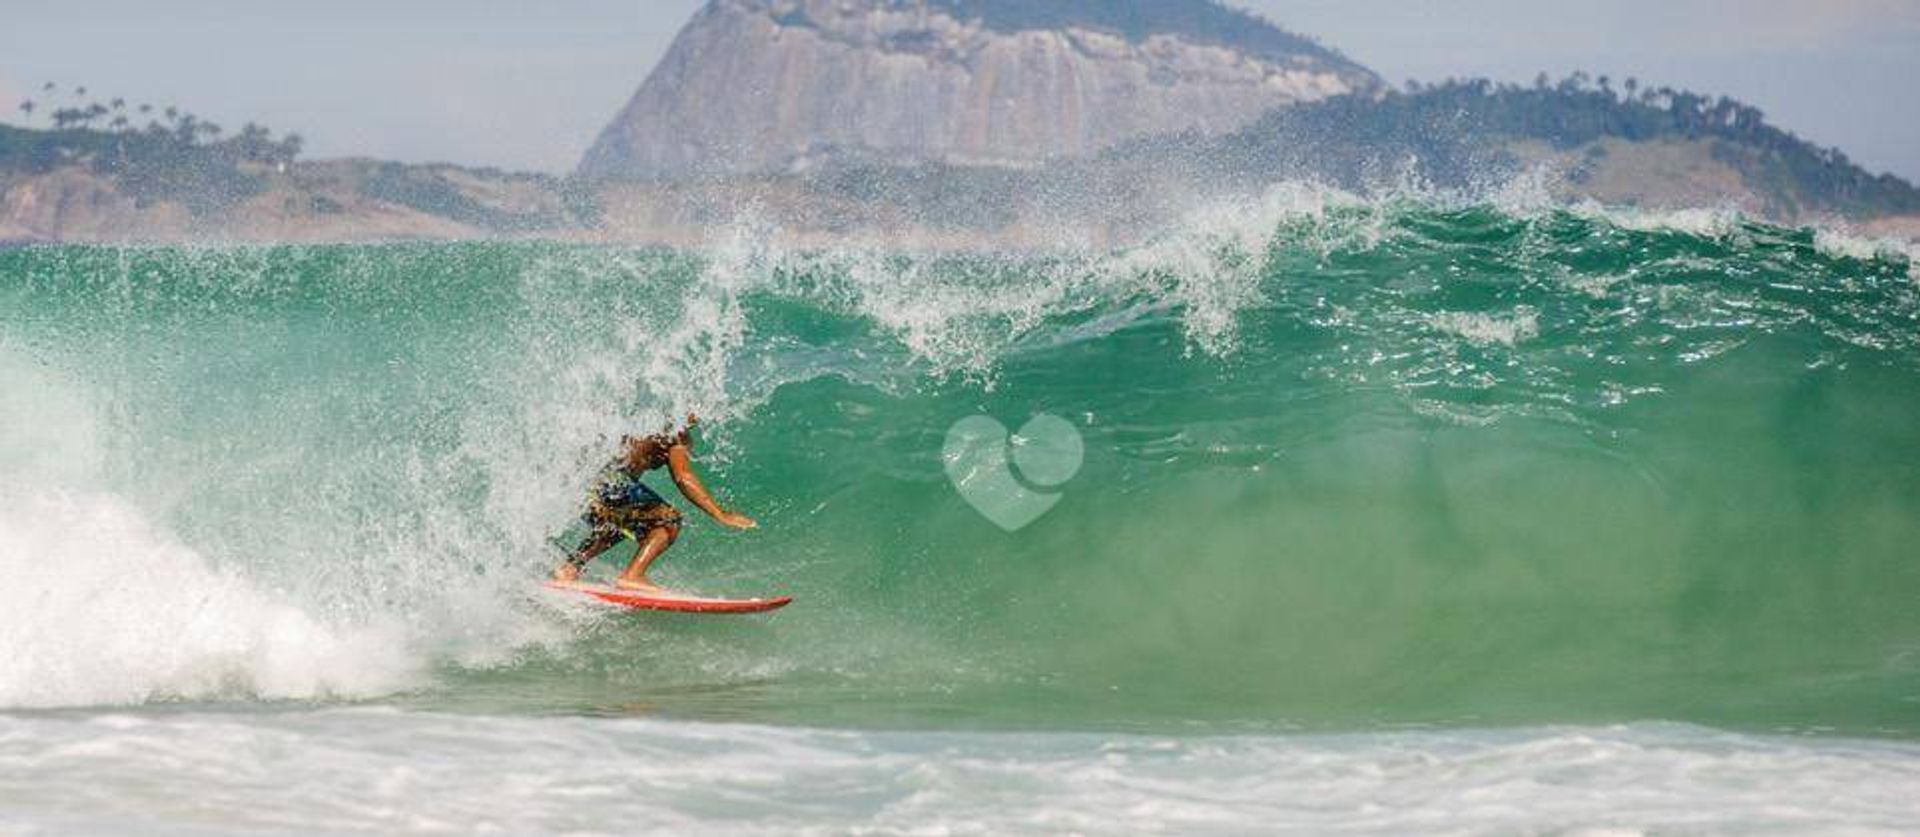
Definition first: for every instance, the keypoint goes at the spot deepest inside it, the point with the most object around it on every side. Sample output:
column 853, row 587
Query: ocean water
column 1385, row 516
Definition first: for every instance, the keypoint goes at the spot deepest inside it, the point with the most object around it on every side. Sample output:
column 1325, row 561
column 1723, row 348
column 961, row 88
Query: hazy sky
column 528, row 83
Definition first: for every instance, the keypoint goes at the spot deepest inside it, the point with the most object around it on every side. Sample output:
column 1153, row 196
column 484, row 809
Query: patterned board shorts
column 633, row 521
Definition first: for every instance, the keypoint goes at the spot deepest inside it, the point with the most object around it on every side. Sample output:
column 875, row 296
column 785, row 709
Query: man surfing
column 621, row 505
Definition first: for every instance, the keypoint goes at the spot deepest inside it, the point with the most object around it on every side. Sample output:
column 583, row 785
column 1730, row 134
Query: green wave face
column 1349, row 466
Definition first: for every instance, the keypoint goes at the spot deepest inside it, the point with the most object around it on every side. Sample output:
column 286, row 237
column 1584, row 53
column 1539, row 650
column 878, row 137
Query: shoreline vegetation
column 109, row 172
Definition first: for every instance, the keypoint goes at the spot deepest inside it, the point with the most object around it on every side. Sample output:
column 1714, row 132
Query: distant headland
column 942, row 123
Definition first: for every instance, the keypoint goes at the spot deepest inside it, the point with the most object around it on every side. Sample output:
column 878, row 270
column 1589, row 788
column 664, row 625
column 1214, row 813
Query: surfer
column 621, row 505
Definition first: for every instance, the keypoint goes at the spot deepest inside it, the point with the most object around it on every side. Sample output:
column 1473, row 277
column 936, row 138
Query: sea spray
column 103, row 607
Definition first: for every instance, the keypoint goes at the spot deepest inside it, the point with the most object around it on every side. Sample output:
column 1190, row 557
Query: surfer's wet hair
column 667, row 437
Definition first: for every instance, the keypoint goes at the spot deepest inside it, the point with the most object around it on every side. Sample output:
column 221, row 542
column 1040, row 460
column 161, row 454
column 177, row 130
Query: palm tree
column 290, row 148
column 79, row 91
column 145, row 108
column 254, row 142
column 26, row 107
column 47, row 88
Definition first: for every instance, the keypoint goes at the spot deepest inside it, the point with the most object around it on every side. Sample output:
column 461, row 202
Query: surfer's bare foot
column 640, row 585
column 566, row 572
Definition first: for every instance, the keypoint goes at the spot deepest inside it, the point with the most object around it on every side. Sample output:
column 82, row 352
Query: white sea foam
column 1844, row 245
column 98, row 605
column 1213, row 262
column 103, row 608
column 1702, row 222
column 1488, row 329
column 385, row 771
column 1207, row 269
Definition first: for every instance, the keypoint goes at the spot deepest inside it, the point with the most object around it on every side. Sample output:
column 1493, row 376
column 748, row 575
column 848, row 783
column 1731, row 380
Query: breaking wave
column 1347, row 461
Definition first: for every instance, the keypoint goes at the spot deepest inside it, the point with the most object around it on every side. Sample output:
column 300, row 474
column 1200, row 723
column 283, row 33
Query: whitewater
column 1395, row 514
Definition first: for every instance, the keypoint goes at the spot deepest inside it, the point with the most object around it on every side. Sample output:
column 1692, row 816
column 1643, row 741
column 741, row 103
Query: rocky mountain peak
column 771, row 85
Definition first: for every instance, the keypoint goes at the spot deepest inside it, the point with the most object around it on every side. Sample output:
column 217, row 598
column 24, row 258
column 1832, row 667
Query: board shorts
column 634, row 521
column 607, row 523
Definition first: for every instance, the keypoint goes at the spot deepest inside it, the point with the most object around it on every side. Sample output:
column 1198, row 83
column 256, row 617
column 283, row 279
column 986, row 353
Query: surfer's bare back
column 623, row 506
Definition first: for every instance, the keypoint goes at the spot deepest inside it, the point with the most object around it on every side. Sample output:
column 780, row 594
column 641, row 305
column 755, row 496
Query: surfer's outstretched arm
column 680, row 465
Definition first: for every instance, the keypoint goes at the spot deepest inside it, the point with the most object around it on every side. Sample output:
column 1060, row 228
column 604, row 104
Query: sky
column 527, row 84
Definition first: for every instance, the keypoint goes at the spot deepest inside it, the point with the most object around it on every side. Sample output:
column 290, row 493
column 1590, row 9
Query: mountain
column 756, row 86
column 1474, row 140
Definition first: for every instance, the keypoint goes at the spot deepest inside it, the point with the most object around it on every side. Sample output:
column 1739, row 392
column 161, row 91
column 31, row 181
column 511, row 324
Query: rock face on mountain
column 777, row 85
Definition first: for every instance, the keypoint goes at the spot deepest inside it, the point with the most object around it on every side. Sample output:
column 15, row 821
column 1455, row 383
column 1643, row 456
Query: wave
column 104, row 608
column 1345, row 461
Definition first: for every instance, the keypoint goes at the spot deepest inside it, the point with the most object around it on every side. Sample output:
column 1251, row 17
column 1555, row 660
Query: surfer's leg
column 584, row 554
column 652, row 544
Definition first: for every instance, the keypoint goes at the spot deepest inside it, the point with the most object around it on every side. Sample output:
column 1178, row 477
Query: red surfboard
column 668, row 600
